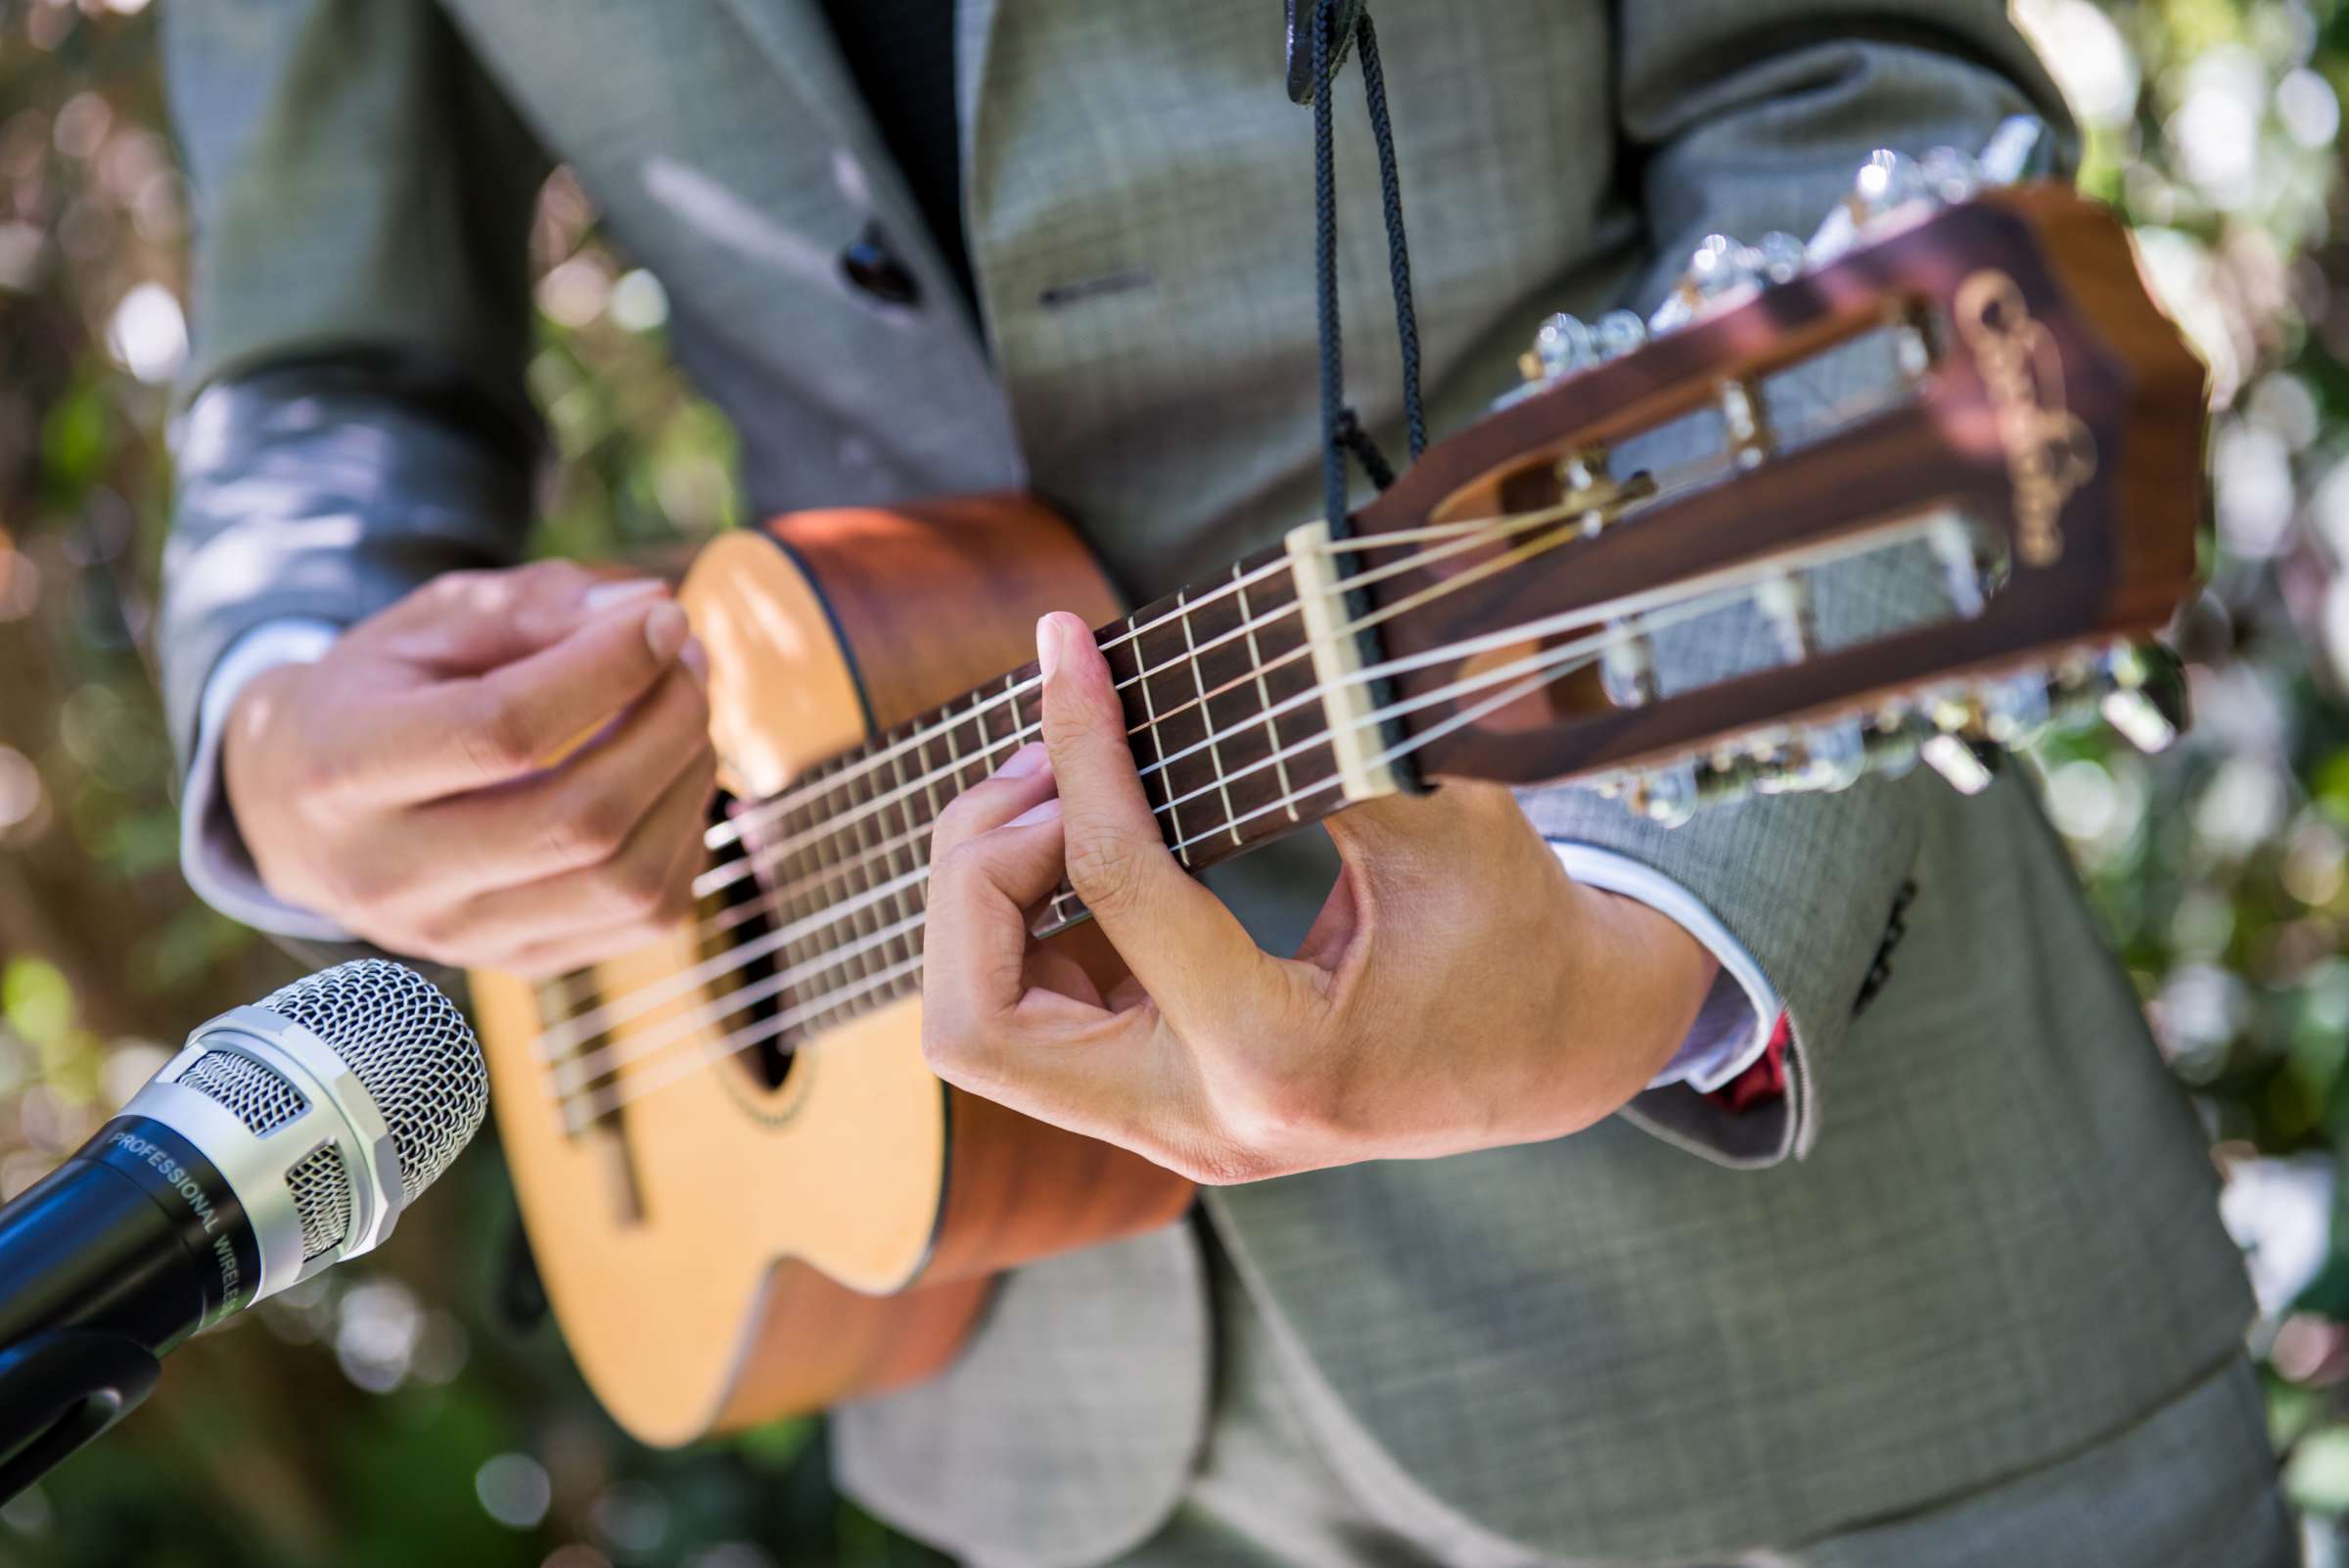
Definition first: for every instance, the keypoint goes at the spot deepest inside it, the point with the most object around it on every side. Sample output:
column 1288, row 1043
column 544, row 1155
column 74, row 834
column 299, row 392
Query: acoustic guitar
column 747, row 1195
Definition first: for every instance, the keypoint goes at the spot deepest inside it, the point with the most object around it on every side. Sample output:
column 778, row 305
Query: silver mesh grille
column 256, row 1095
column 409, row 1045
column 322, row 1197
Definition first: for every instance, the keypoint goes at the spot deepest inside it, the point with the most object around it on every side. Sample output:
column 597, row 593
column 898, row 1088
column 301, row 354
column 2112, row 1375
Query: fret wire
column 984, row 743
column 953, row 729
column 912, row 897
column 1158, row 748
column 903, row 840
column 921, row 762
column 1015, row 719
column 805, row 903
column 868, row 919
column 1264, row 697
column 1206, row 717
column 1015, row 726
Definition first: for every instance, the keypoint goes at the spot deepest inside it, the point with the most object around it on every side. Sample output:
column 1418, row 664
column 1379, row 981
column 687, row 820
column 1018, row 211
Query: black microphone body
column 284, row 1139
column 138, row 1234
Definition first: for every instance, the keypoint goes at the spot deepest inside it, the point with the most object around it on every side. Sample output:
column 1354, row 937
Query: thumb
column 471, row 622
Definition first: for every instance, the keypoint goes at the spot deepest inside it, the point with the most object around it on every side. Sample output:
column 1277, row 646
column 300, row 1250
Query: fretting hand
column 425, row 783
column 1458, row 992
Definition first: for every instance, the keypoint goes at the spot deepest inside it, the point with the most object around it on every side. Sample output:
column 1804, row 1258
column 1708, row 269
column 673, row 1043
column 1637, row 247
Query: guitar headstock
column 2012, row 410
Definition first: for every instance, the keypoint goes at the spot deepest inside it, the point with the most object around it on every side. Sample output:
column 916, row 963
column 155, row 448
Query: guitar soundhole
column 744, row 923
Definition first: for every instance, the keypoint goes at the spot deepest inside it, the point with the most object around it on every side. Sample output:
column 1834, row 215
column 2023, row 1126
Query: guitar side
column 754, row 1239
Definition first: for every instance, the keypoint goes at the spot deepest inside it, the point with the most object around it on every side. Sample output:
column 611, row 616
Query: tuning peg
column 1964, row 764
column 1825, row 757
column 1885, row 183
column 1562, row 346
column 1619, row 333
column 1971, row 577
column 1666, row 796
column 1949, row 175
column 1784, row 599
column 2018, row 149
column 1893, row 743
column 1627, row 668
column 2016, row 709
column 1716, row 266
column 1779, row 257
column 2145, row 696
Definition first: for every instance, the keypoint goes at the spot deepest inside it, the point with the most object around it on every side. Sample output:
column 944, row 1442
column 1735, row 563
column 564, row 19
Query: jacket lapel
column 797, row 39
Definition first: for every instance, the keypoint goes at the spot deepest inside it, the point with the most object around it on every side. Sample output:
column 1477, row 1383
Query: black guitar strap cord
column 1336, row 23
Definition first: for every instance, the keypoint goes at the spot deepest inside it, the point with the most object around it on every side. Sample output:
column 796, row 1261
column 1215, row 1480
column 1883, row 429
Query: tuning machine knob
column 2019, row 149
column 1779, row 257
column 2144, row 695
column 1717, row 265
column 1666, row 796
column 2016, row 711
column 1965, row 766
column 1619, row 333
column 1949, row 175
column 1887, row 182
column 1819, row 758
column 1566, row 344
column 1562, row 345
column 1970, row 574
column 1627, row 666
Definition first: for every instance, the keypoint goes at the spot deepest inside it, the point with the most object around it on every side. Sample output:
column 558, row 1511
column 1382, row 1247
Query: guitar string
column 569, row 1031
column 1635, row 616
column 607, row 1104
column 761, row 857
column 1463, row 535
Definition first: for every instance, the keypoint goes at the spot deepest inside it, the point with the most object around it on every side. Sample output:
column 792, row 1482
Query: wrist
column 251, row 769
column 1630, row 984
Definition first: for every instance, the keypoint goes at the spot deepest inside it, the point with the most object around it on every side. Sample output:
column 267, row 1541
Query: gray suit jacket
column 1656, row 1339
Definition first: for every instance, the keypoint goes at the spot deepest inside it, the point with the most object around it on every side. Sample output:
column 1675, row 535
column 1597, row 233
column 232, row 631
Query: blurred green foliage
column 400, row 1411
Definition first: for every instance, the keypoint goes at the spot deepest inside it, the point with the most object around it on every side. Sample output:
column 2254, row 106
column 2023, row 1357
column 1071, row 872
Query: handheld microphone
column 283, row 1138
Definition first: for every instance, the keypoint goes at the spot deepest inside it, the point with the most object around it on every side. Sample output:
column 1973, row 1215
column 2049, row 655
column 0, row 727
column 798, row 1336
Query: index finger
column 1189, row 952
column 477, row 731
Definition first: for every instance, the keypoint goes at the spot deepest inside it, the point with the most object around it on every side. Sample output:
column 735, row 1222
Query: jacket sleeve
column 1739, row 116
column 354, row 420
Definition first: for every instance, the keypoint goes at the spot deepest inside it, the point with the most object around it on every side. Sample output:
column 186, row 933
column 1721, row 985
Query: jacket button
column 874, row 270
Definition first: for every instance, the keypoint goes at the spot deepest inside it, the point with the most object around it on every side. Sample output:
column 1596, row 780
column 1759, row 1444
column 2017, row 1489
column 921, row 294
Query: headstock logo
column 2050, row 452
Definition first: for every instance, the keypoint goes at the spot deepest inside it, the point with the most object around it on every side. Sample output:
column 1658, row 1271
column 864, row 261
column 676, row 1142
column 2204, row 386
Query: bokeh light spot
column 148, row 334
column 513, row 1490
column 19, row 788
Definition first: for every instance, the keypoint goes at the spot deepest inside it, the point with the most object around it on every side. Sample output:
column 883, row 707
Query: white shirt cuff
column 1733, row 1027
column 213, row 856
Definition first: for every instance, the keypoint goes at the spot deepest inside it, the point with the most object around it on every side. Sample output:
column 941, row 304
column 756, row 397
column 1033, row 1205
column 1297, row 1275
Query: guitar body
column 779, row 1232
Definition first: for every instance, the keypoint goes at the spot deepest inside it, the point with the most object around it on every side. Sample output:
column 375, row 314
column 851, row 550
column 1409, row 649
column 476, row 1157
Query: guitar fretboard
column 1226, row 729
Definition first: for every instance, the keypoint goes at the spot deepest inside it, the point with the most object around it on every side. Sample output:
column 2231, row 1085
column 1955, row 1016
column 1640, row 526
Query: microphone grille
column 411, row 1048
column 253, row 1093
column 322, row 1197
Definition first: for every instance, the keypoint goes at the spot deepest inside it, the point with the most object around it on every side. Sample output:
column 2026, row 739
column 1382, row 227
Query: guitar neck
column 1228, row 733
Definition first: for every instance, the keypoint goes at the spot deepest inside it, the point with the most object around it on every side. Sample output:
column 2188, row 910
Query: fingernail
column 1047, row 646
column 665, row 631
column 604, row 595
column 696, row 660
column 1025, row 763
column 1042, row 811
